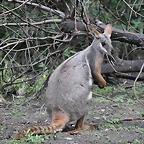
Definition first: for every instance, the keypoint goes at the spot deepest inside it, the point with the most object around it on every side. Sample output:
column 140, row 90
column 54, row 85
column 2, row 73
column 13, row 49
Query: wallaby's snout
column 106, row 45
column 110, row 52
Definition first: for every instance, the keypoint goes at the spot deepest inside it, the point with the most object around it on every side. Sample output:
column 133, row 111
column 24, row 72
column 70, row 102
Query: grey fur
column 71, row 82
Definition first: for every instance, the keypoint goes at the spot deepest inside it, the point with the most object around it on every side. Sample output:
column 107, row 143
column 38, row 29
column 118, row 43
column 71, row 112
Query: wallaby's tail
column 59, row 120
column 36, row 130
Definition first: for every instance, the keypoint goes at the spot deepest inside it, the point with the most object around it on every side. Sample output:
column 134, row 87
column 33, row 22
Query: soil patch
column 105, row 114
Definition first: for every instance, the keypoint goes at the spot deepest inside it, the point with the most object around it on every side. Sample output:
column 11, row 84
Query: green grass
column 118, row 93
column 16, row 112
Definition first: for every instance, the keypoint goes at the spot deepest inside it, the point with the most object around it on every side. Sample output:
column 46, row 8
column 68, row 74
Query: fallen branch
column 119, row 35
column 131, row 76
column 123, row 66
column 124, row 36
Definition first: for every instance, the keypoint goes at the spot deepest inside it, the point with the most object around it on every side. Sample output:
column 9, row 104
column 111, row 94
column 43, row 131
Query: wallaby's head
column 103, row 41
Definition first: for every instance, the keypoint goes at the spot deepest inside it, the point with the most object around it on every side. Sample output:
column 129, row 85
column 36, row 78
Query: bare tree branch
column 35, row 23
column 12, row 10
column 59, row 13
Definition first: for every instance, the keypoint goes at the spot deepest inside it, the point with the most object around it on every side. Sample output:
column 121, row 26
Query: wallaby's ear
column 108, row 30
column 94, row 30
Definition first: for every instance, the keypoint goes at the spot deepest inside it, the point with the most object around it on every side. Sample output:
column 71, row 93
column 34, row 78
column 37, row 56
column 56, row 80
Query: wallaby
column 69, row 94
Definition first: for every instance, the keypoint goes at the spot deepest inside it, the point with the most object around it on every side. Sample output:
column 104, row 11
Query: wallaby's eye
column 112, row 51
column 97, row 38
column 103, row 43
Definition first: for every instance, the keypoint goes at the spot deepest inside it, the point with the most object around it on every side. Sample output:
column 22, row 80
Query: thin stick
column 134, row 89
column 99, row 95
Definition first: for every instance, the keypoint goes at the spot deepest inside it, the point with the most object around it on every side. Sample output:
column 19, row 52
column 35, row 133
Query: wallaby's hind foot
column 88, row 127
column 59, row 119
column 84, row 127
column 80, row 126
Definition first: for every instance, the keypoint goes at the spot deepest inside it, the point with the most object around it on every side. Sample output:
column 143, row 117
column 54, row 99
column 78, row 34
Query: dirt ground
column 105, row 114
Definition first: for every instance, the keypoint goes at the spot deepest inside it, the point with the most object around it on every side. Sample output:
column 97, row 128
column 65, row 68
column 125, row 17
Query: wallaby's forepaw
column 102, row 84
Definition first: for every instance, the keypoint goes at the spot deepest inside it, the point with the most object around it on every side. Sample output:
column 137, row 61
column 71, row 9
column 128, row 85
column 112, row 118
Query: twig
column 85, row 13
column 61, row 14
column 24, row 20
column 131, row 119
column 9, row 11
column 9, row 52
column 99, row 95
column 19, row 76
column 35, row 23
column 13, row 43
column 134, row 85
column 43, row 85
column 132, row 9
